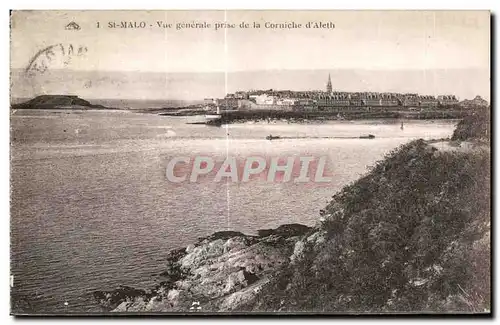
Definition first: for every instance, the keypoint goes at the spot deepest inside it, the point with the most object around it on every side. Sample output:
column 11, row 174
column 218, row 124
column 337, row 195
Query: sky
column 361, row 40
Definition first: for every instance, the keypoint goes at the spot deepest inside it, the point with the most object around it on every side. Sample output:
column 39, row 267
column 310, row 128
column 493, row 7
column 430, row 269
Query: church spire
column 329, row 85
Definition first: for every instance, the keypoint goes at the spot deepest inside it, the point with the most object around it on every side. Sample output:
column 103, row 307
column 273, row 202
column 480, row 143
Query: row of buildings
column 288, row 99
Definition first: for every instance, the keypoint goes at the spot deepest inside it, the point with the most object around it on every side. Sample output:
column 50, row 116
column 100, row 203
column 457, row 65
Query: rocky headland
column 57, row 102
column 221, row 272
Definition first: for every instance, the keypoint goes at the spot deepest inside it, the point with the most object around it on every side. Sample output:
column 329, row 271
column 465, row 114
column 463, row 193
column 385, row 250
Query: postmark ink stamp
column 54, row 56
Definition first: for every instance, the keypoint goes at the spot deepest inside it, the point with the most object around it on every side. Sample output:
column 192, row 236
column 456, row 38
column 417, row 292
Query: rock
column 242, row 297
column 189, row 248
column 235, row 243
column 234, row 281
column 250, row 277
column 172, row 273
column 224, row 235
column 111, row 299
column 173, row 296
column 298, row 251
column 215, row 271
column 318, row 237
column 201, row 253
column 288, row 230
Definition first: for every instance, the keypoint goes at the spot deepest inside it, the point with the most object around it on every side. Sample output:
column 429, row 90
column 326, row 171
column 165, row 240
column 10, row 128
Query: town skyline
column 463, row 83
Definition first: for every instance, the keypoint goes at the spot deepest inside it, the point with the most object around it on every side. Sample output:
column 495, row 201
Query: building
column 428, row 101
column 264, row 99
column 286, row 101
column 336, row 99
column 370, row 99
column 445, row 100
column 388, row 99
column 227, row 103
column 241, row 95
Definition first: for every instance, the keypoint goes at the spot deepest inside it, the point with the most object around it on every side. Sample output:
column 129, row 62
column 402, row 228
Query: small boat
column 271, row 137
column 369, row 136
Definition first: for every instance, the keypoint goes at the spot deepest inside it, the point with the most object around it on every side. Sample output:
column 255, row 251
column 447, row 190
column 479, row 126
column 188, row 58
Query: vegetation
column 476, row 126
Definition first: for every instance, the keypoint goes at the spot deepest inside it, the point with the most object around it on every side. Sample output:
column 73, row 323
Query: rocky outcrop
column 56, row 102
column 220, row 272
column 413, row 235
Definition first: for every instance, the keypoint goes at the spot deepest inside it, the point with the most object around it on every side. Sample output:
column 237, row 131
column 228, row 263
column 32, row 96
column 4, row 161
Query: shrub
column 411, row 235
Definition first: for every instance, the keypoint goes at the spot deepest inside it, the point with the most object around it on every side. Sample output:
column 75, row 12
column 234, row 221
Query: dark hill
column 56, row 102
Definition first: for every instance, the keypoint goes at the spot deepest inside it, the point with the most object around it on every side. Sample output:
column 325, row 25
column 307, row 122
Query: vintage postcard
column 247, row 162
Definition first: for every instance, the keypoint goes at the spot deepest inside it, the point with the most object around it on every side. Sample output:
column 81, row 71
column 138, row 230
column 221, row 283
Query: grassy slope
column 475, row 127
column 412, row 235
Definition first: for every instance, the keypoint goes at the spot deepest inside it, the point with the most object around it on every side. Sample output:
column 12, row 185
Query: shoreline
column 272, row 117
column 216, row 269
column 303, row 117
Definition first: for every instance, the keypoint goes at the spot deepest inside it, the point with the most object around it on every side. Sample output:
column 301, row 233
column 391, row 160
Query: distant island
column 57, row 102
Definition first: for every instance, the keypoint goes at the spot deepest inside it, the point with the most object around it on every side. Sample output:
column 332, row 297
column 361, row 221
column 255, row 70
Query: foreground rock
column 218, row 273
